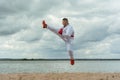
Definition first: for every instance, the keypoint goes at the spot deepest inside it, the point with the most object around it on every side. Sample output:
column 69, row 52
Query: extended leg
column 44, row 25
column 55, row 31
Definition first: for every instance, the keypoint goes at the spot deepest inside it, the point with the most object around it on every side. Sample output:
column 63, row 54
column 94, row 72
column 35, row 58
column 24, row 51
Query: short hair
column 65, row 19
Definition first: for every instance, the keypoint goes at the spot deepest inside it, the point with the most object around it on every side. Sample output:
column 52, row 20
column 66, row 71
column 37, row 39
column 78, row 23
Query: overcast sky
column 96, row 24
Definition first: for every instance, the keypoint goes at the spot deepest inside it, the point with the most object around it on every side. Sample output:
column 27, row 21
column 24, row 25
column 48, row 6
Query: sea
column 59, row 66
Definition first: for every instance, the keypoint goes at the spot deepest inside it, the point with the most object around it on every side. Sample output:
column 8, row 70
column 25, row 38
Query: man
column 66, row 33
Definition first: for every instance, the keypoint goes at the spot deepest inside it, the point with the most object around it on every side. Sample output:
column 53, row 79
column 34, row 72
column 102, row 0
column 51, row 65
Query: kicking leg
column 55, row 31
column 44, row 25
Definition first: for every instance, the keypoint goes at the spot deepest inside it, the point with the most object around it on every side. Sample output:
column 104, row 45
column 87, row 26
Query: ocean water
column 58, row 66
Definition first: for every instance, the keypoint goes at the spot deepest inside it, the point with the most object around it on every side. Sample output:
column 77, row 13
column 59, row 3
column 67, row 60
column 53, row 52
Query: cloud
column 8, row 8
column 12, row 24
column 96, row 25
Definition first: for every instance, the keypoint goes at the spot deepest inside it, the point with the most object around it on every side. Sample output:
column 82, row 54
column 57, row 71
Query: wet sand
column 61, row 76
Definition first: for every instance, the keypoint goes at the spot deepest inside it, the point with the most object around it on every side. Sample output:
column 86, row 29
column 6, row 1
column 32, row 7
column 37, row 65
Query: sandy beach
column 61, row 76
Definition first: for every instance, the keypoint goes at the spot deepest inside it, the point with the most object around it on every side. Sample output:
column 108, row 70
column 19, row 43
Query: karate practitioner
column 66, row 33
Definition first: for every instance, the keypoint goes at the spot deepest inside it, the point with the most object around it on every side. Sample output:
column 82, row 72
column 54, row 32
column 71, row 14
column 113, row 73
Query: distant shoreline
column 59, row 59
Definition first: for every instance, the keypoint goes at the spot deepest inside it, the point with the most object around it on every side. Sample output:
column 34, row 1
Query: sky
column 96, row 24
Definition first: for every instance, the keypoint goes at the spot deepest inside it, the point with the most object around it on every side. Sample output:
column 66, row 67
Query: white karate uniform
column 67, row 35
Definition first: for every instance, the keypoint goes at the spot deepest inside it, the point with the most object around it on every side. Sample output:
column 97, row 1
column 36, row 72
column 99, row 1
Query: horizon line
column 25, row 59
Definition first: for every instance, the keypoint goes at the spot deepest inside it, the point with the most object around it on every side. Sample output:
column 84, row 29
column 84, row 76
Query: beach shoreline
column 60, row 76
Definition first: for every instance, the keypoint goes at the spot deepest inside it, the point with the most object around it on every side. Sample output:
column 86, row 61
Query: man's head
column 65, row 21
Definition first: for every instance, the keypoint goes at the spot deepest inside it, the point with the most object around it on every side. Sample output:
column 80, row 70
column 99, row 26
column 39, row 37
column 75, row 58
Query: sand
column 61, row 76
